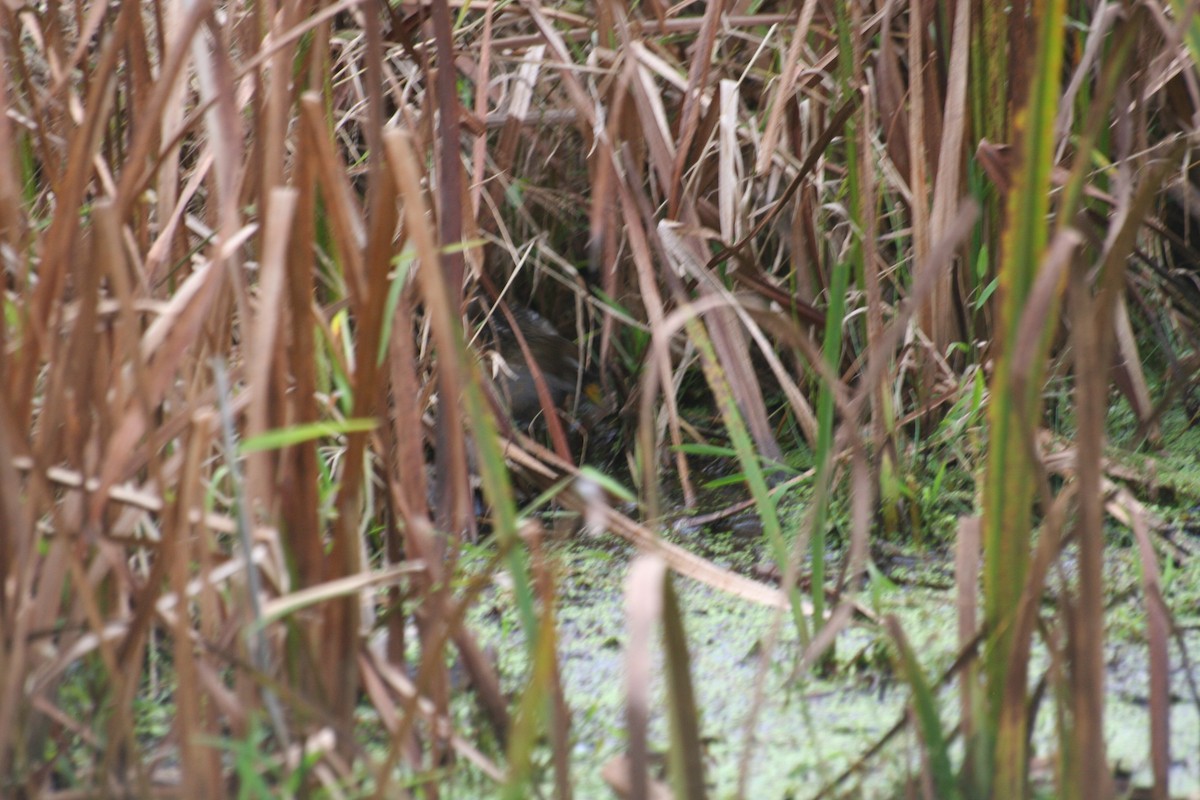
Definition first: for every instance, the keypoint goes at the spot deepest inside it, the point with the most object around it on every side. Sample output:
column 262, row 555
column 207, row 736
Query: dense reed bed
column 255, row 473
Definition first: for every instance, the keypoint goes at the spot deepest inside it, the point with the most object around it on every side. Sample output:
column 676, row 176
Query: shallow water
column 807, row 731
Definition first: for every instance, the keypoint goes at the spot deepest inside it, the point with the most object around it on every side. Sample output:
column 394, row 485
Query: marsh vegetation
column 840, row 356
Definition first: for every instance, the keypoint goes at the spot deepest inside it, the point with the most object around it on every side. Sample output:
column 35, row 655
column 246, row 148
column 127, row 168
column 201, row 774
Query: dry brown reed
column 807, row 203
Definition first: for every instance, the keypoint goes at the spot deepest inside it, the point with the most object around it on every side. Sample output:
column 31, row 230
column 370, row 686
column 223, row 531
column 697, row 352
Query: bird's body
column 571, row 387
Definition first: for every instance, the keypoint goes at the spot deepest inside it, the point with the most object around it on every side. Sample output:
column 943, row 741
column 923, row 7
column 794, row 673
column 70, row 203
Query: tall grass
column 819, row 224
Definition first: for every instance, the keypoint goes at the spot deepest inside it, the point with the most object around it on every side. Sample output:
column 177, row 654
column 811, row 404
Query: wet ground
column 808, row 730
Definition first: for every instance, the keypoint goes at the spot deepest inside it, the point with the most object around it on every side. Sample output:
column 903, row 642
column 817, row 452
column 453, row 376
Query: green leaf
column 297, row 434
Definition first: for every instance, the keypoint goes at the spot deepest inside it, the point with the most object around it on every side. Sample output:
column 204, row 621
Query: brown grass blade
column 455, row 496
column 697, row 87
column 12, row 227
column 299, row 474
column 262, row 348
column 349, row 233
column 200, row 764
column 17, row 549
column 1158, row 628
column 1093, row 332
column 643, row 611
column 658, row 371
column 948, row 188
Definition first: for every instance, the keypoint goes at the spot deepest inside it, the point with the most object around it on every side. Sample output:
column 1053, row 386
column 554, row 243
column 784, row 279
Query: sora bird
column 572, row 389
